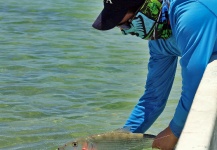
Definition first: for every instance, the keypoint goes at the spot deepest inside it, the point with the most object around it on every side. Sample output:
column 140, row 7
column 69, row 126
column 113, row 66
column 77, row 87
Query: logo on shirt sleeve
column 108, row 1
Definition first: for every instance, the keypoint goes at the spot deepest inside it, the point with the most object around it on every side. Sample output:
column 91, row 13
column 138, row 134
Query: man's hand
column 165, row 140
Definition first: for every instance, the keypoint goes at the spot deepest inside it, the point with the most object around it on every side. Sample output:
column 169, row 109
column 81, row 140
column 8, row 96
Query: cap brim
column 108, row 19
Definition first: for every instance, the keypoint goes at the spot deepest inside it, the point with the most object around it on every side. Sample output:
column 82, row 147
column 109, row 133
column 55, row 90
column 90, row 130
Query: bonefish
column 115, row 140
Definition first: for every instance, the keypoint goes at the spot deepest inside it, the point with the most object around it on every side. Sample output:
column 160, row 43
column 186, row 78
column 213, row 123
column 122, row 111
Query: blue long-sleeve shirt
column 194, row 27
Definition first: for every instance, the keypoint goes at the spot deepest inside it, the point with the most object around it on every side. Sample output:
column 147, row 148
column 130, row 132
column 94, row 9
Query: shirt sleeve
column 161, row 72
column 197, row 40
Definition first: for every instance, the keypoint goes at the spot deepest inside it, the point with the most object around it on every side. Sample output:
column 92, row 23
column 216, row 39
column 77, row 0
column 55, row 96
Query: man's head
column 113, row 12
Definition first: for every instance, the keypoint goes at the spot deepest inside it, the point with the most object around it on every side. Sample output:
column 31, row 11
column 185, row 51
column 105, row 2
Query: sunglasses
column 126, row 25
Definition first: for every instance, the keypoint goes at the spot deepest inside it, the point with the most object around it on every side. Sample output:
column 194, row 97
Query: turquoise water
column 60, row 79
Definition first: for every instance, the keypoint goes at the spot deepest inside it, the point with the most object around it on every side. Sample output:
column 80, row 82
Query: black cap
column 113, row 12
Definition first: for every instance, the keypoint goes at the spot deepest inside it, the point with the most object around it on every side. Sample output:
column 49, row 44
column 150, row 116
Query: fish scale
column 115, row 140
column 130, row 142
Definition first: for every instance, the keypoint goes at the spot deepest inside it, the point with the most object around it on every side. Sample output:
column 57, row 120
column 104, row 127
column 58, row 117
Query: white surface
column 200, row 132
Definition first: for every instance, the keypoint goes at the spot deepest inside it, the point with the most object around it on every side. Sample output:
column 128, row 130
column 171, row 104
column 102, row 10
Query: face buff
column 150, row 22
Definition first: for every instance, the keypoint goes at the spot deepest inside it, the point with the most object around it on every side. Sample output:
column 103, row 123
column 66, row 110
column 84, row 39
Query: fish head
column 86, row 145
column 80, row 144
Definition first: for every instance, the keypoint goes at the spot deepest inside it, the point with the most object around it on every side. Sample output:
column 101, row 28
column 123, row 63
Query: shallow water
column 60, row 79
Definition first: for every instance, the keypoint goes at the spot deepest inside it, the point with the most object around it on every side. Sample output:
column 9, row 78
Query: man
column 194, row 39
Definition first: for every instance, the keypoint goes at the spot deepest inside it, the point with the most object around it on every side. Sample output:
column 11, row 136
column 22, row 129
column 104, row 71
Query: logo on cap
column 108, row 1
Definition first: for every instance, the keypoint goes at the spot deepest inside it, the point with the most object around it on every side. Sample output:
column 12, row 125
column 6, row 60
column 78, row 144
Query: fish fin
column 124, row 129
